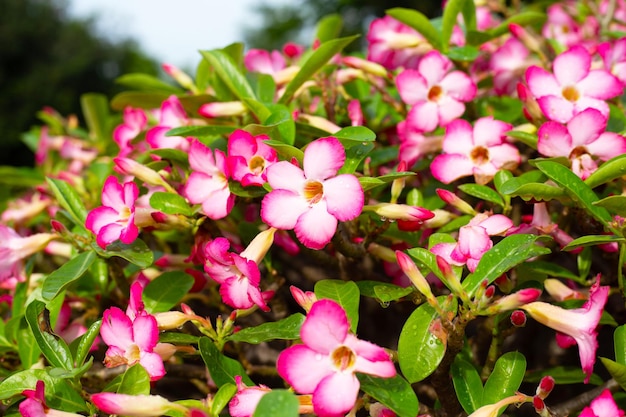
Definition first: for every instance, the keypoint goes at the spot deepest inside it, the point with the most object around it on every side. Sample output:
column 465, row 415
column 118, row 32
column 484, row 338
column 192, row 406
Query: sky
column 172, row 31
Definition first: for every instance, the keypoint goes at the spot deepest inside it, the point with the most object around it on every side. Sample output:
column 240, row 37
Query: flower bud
column 169, row 320
column 304, row 298
column 515, row 300
column 256, row 250
column 222, row 109
column 134, row 405
column 546, row 385
column 182, row 78
column 319, row 122
column 453, row 200
column 410, row 269
column 129, row 166
column 518, row 318
column 400, row 212
column 365, row 65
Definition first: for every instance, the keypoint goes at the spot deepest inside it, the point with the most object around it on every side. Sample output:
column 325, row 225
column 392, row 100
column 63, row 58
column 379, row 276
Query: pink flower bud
column 410, row 269
column 538, row 404
column 546, row 385
column 365, row 65
column 256, row 250
column 304, row 298
column 179, row 76
column 400, row 212
column 134, row 405
column 129, row 166
column 222, row 109
column 518, row 318
column 453, row 200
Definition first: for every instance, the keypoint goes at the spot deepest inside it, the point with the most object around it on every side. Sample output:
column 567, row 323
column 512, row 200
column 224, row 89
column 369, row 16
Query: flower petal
column 344, row 197
column 450, row 167
column 323, row 158
column 572, row 66
column 326, row 326
column 285, row 176
column 411, row 86
column 116, row 329
column 336, row 394
column 554, row 140
column 145, row 332
column 303, row 368
column 282, row 208
column 316, row 227
column 153, row 364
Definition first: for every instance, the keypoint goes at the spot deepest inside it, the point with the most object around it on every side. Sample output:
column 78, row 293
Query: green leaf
column 95, row 109
column 469, row 15
column 135, row 381
column 615, row 204
column 53, row 348
column 58, row 393
column 367, row 183
column 467, row 384
column 178, row 338
column 552, row 270
column 531, row 191
column 529, row 139
column 617, row 371
column 20, row 176
column 522, row 19
column 428, row 259
column 142, row 100
column 145, row 82
column 288, row 152
column 137, row 253
column 592, row 240
column 354, row 156
column 575, row 188
column 394, row 393
column 619, row 344
column 228, row 72
column 563, row 375
column 383, row 291
column 170, row 203
column 450, row 14
column 222, row 368
column 466, row 53
column 257, row 108
column 419, row 22
column 419, row 350
column 86, row 342
column 346, row 293
column 69, row 199
column 69, row 272
column 313, row 64
column 285, row 329
column 505, row 379
column 27, row 347
column 277, row 402
column 483, row 192
column 329, row 27
column 166, row 290
column 201, row 131
column 265, row 88
column 504, row 256
column 222, row 397
column 354, row 135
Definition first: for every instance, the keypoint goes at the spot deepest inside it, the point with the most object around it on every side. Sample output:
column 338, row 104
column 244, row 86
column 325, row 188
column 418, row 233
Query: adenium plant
column 433, row 226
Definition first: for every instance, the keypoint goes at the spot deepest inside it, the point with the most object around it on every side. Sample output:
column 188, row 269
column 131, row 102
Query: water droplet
column 384, row 304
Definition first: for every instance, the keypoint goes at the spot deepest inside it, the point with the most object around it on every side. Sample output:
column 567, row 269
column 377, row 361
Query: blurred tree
column 49, row 59
column 291, row 22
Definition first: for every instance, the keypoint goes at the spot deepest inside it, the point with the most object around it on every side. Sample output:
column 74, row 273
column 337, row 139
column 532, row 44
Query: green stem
column 620, row 269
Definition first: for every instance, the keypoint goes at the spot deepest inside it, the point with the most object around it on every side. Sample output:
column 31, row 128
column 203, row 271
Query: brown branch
column 578, row 403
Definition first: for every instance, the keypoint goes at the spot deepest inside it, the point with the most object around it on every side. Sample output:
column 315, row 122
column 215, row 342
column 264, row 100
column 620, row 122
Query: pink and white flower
column 325, row 365
column 394, row 44
column 583, row 140
column 436, row 93
column 249, row 157
column 508, row 63
column 614, row 58
column 14, row 249
column 312, row 200
column 246, row 399
column 208, row 182
column 35, row 404
column 136, row 405
column 172, row 115
column 114, row 219
column 579, row 323
column 573, row 86
column 479, row 151
column 602, row 406
column 135, row 121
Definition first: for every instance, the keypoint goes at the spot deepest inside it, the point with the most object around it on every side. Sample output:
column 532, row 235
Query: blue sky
column 172, row 31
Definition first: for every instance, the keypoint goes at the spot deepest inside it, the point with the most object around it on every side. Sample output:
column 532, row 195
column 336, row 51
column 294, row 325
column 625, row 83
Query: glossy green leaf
column 483, row 192
column 615, row 204
column 313, row 64
column 575, row 188
column 178, row 338
column 229, row 73
column 27, row 347
column 608, row 171
column 563, row 375
column 467, row 384
column 135, row 381
column 383, row 291
column 469, row 15
column 425, row 257
column 531, row 191
column 593, row 240
column 170, row 203
column 95, row 109
column 619, row 344
column 145, row 82
column 86, row 342
column 504, row 256
column 354, row 156
column 139, row 99
column 257, row 108
column 583, row 262
column 346, row 293
column 53, row 348
column 58, row 392
column 201, row 131
column 450, row 13
column 277, row 402
column 617, row 371
column 265, row 88
column 419, row 350
column 286, row 151
column 166, row 290
column 466, row 53
column 395, row 393
column 222, row 368
column 69, row 199
column 285, row 329
column 419, row 22
column 67, row 273
column 354, row 135
column 522, row 19
column 137, row 253
column 505, row 379
column 222, row 397
column 239, row 190
column 367, row 183
column 551, row 269
column 529, row 139
column 329, row 27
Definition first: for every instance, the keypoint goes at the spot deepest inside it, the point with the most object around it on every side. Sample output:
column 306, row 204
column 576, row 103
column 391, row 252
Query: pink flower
column 480, row 151
column 311, row 201
column 114, row 219
column 561, row 27
column 579, row 323
column 542, row 224
column 172, row 115
column 614, row 58
column 582, row 139
column 13, row 249
column 35, row 404
column 326, row 363
column 602, row 406
column 131, row 341
column 394, row 44
column 135, row 121
column 265, row 62
column 245, row 401
column 508, row 64
column 474, row 240
column 249, row 157
column 573, row 87
column 436, row 93
column 136, row 405
column 208, row 182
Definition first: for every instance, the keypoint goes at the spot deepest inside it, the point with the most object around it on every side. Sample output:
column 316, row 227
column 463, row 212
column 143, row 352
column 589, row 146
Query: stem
column 578, row 403
column 606, row 19
column 620, row 269
column 494, row 349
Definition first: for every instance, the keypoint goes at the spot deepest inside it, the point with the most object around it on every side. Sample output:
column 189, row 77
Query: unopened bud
column 256, row 250
column 135, row 405
column 365, row 65
column 169, row 320
column 518, row 318
column 540, row 406
column 453, row 200
column 182, row 78
column 129, row 166
column 546, row 385
column 410, row 269
column 355, row 113
column 319, row 122
column 222, row 109
column 304, row 298
column 400, row 212
column 516, row 300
